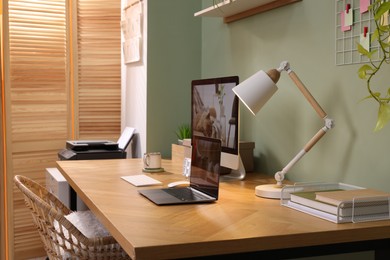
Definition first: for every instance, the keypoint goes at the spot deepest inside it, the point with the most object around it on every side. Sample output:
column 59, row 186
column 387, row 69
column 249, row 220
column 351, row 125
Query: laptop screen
column 205, row 165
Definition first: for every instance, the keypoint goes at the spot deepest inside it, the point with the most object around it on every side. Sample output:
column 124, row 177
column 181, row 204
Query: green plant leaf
column 381, row 10
column 371, row 53
column 365, row 52
column 362, row 72
column 384, row 28
column 183, row 131
column 383, row 116
column 365, row 98
column 384, row 44
column 362, row 50
column 376, row 94
column 367, row 72
column 375, row 36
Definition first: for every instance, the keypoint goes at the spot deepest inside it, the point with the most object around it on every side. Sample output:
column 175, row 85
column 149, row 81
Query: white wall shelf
column 233, row 10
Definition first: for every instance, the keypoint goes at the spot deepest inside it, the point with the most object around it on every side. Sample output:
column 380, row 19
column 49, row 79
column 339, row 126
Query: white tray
column 355, row 206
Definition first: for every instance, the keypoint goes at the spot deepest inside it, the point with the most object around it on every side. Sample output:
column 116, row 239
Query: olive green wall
column 174, row 53
column 182, row 47
column 304, row 34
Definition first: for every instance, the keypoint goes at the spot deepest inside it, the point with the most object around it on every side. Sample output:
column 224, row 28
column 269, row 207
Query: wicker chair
column 61, row 239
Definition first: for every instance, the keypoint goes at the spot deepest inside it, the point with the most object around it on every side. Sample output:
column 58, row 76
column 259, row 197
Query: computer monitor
column 215, row 114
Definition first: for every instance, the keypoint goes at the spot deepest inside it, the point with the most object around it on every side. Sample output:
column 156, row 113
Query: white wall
column 134, row 82
column 156, row 90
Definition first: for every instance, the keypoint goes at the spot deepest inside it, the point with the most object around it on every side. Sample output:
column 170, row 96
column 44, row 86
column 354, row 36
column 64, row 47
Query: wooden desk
column 239, row 222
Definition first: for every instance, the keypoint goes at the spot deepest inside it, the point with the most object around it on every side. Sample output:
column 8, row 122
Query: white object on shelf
column 229, row 8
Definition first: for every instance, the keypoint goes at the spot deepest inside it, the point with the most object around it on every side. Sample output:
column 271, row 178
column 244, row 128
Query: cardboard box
column 179, row 152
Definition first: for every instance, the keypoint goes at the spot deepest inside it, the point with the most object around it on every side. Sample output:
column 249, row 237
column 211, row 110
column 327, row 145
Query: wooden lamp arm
column 329, row 123
column 313, row 102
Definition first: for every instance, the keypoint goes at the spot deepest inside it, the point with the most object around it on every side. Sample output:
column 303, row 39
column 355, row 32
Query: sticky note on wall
column 348, row 16
column 364, row 4
column 365, row 39
column 344, row 25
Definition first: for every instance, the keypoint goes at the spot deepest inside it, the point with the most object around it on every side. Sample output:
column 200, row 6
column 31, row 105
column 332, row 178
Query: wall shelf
column 233, row 10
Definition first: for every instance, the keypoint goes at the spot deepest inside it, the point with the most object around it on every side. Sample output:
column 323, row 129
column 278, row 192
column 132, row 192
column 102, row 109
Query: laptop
column 204, row 177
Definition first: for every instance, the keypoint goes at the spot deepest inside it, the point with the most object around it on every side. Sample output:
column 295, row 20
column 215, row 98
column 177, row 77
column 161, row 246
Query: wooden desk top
column 238, row 222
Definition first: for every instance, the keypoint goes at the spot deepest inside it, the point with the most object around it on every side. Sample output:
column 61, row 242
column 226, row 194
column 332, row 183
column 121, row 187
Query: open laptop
column 204, row 178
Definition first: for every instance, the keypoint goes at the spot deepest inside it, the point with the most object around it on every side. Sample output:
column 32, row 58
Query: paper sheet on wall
column 132, row 50
column 348, row 18
column 132, row 31
column 365, row 41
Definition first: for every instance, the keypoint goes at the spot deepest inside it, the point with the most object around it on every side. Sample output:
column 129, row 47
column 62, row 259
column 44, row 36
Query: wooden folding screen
column 98, row 68
column 62, row 82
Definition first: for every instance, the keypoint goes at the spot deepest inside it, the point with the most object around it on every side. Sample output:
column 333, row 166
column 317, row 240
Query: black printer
column 93, row 150
column 97, row 149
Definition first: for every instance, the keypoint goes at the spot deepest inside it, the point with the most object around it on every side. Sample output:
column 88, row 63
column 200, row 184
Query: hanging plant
column 367, row 72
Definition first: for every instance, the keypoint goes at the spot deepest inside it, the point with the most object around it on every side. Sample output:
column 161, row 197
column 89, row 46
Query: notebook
column 204, row 177
column 141, row 180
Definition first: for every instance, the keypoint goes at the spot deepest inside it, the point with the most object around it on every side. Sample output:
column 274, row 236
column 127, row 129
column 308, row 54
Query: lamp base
column 269, row 191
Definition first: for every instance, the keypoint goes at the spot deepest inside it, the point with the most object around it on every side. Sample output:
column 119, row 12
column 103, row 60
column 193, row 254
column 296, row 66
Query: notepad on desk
column 141, row 180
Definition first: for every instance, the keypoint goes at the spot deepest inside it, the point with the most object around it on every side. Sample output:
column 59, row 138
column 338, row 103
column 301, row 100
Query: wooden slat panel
column 39, row 103
column 40, row 90
column 99, row 91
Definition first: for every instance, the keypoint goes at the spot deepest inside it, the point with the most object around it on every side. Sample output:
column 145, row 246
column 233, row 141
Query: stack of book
column 338, row 203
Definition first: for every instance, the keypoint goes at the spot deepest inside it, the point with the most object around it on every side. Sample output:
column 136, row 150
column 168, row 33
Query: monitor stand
column 235, row 174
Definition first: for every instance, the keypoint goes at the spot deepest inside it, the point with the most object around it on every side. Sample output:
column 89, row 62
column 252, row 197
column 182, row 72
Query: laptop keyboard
column 185, row 194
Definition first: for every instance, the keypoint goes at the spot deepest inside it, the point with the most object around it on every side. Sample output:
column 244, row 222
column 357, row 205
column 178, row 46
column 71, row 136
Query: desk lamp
column 254, row 92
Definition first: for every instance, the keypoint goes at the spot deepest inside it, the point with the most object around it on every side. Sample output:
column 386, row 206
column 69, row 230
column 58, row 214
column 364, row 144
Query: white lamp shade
column 255, row 91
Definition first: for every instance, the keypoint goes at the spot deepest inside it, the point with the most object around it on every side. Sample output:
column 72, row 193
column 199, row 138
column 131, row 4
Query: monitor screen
column 214, row 114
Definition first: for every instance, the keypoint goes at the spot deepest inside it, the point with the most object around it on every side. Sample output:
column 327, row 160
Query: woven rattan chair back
column 61, row 239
